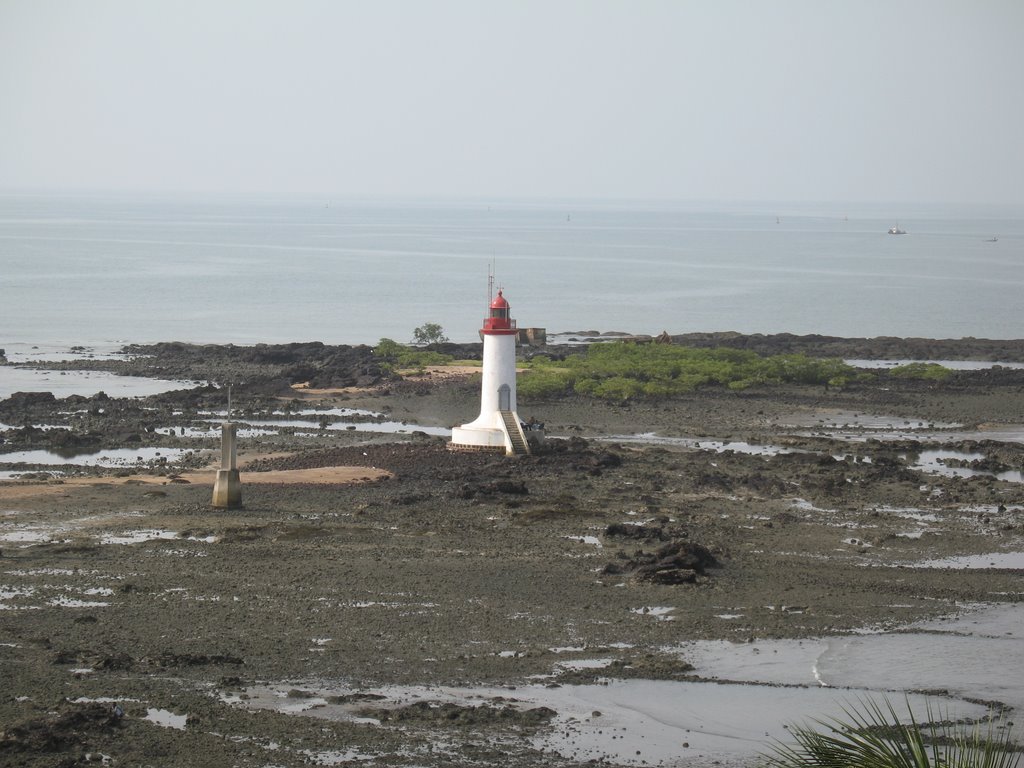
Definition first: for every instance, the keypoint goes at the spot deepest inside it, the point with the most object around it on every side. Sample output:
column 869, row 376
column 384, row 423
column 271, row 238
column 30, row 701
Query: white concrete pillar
column 227, row 488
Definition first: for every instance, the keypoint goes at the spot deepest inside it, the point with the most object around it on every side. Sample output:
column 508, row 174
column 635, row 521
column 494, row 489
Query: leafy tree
column 428, row 333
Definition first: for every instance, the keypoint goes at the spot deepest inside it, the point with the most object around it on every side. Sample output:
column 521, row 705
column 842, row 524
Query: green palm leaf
column 872, row 735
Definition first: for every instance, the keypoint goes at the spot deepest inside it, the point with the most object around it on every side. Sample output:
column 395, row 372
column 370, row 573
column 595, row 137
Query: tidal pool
column 18, row 352
column 969, row 655
column 86, row 383
column 387, row 427
column 703, row 444
column 953, row 365
column 1013, row 561
column 934, row 462
column 113, row 457
column 756, row 690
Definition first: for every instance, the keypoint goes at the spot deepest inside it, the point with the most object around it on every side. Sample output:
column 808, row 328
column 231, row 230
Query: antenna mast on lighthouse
column 490, row 282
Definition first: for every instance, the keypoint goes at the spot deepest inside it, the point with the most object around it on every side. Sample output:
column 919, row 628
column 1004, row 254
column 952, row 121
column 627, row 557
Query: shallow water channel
column 749, row 692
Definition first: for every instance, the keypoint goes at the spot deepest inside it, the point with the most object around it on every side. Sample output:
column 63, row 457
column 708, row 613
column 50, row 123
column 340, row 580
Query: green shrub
column 621, row 371
column 540, row 382
column 395, row 356
column 922, row 371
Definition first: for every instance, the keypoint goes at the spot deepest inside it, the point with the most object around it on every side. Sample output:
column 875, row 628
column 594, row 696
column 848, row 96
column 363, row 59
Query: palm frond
column 873, row 735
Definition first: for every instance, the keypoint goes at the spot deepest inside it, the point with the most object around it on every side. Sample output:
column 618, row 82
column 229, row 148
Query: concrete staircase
column 515, row 433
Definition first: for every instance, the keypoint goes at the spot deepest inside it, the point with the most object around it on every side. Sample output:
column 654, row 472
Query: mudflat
column 140, row 626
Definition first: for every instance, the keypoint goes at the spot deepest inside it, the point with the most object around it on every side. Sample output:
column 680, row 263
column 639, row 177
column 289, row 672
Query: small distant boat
column 992, row 240
column 897, row 231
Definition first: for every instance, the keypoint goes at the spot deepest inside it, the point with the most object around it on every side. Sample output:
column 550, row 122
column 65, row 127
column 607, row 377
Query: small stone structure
column 533, row 337
column 227, row 489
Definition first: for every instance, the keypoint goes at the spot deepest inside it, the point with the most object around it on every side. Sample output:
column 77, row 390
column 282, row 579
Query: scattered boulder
column 71, row 728
column 678, row 562
column 436, row 713
column 642, row 532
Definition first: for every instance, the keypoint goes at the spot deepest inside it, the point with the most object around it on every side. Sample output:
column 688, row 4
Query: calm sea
column 99, row 269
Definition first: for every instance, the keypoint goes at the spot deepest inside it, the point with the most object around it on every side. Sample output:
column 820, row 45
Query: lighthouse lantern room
column 497, row 428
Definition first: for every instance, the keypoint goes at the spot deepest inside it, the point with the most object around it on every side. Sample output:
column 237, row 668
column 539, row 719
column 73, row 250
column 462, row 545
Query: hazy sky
column 860, row 100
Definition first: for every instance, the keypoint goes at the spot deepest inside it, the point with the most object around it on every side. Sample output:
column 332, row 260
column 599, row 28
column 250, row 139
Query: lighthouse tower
column 497, row 427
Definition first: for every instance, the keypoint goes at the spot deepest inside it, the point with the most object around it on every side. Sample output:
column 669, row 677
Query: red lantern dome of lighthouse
column 499, row 322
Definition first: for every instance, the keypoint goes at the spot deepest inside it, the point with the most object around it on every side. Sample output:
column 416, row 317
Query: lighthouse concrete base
column 479, row 439
column 227, row 489
column 499, row 432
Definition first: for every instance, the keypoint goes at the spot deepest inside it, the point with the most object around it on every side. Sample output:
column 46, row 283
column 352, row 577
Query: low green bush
column 622, row 371
column 395, row 356
column 922, row 371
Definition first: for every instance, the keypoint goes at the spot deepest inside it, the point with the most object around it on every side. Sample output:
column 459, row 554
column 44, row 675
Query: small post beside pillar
column 227, row 489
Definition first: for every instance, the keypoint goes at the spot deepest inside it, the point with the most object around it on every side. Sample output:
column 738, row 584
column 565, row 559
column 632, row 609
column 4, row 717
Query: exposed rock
column 72, row 726
column 678, row 562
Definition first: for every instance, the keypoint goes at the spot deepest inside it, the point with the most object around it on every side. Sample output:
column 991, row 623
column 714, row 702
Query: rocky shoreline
column 796, row 512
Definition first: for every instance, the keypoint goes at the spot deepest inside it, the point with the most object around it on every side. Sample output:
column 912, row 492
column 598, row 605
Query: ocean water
column 95, row 269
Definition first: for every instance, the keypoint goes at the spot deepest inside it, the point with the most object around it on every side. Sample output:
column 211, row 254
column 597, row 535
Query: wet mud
column 139, row 626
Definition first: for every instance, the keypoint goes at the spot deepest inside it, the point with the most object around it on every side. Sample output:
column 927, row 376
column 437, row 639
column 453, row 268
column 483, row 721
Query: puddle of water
column 339, row 758
column 660, row 612
column 138, row 537
column 86, row 383
column 342, row 412
column 579, row 664
column 387, row 427
column 636, row 721
column 390, row 427
column 1003, row 434
column 43, row 427
column 114, row 457
column 857, row 420
column 934, row 462
column 194, row 432
column 31, row 536
column 592, row 540
column 953, row 365
column 17, row 474
column 909, row 513
column 70, row 602
column 806, row 506
column 166, row 719
column 969, row 656
column 9, row 593
column 718, row 446
column 213, row 433
column 625, row 722
column 1013, row 561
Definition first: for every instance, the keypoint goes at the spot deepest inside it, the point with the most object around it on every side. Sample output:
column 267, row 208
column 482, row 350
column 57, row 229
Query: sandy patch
column 437, row 373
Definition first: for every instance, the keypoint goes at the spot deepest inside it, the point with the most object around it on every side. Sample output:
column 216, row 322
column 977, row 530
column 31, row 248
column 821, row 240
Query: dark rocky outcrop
column 677, row 562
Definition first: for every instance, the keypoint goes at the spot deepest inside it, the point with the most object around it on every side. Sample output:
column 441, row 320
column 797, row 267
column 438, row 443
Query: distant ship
column 992, row 240
column 897, row 231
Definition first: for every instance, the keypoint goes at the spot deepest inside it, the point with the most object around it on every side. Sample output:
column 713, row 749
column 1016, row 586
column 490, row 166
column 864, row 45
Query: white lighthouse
column 497, row 427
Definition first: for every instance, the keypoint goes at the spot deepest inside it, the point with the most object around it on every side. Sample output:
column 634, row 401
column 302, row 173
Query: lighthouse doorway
column 504, row 398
